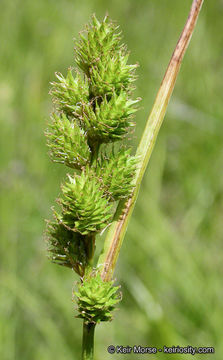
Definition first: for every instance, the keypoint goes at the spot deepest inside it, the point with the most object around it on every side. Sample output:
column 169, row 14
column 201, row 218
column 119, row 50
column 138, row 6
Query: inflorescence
column 93, row 107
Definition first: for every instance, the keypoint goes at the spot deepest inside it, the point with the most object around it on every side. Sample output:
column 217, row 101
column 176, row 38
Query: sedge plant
column 94, row 106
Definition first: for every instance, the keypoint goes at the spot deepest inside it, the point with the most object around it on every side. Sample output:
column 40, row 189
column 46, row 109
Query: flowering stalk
column 93, row 110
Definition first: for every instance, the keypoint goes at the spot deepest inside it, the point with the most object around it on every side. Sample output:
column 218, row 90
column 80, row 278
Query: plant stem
column 89, row 328
column 88, row 341
column 118, row 228
column 94, row 146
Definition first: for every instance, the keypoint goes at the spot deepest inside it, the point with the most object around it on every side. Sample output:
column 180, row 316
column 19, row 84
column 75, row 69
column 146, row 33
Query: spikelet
column 103, row 59
column 67, row 142
column 110, row 120
column 96, row 299
column 66, row 247
column 70, row 93
column 85, row 208
column 117, row 173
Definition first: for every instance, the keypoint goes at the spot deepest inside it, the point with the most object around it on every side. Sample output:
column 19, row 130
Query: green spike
column 85, row 207
column 67, row 142
column 96, row 299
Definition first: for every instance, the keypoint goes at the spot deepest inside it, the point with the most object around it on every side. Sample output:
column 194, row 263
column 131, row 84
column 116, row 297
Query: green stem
column 94, row 146
column 88, row 341
column 89, row 241
column 117, row 230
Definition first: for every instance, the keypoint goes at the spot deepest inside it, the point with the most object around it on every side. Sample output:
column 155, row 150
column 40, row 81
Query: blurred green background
column 170, row 266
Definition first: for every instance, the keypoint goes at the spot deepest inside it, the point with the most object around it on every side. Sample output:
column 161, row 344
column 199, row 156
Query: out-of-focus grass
column 171, row 262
